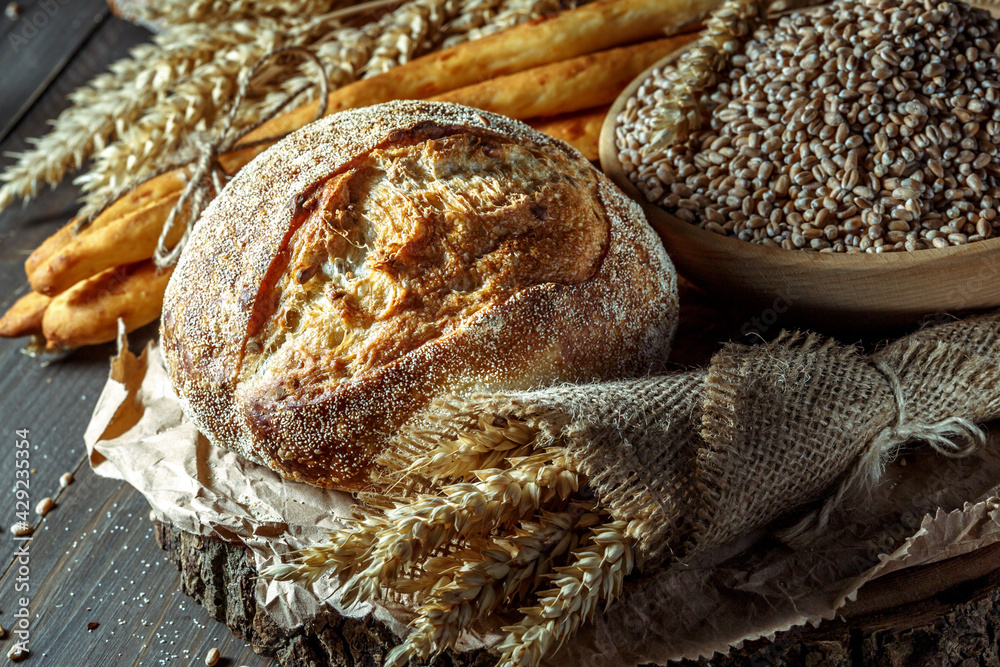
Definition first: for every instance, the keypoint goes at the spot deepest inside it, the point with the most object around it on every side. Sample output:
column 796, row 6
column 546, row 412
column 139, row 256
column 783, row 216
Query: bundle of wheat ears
column 134, row 135
column 492, row 519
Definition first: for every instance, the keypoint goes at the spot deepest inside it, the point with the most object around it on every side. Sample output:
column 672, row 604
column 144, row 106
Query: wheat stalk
column 110, row 102
column 477, row 545
column 472, row 586
column 139, row 118
column 381, row 545
column 198, row 102
column 179, row 12
column 424, row 524
column 596, row 572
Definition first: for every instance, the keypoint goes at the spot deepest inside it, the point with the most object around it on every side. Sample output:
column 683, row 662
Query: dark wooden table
column 93, row 559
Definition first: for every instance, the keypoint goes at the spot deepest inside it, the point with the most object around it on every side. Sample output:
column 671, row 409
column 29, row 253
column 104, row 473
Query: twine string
column 205, row 171
column 207, row 176
column 953, row 437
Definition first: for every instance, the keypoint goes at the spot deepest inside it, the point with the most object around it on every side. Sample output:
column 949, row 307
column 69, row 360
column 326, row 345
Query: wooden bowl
column 862, row 292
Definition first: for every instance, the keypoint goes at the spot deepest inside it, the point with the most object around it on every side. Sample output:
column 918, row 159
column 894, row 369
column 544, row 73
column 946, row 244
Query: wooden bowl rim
column 610, row 164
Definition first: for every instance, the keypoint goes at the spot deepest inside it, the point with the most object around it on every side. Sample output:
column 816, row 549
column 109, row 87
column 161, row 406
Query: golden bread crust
column 384, row 256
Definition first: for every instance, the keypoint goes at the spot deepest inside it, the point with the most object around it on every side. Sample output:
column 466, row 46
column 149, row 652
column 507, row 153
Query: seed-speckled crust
column 384, row 256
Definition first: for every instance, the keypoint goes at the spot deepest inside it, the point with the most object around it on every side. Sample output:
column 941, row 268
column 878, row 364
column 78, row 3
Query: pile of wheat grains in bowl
column 866, row 126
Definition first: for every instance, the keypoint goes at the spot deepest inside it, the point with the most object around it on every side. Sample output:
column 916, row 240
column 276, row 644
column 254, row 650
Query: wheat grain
column 595, row 573
column 904, row 166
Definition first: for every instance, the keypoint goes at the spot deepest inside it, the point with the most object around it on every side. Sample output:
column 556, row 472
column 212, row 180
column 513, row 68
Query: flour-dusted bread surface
column 384, row 256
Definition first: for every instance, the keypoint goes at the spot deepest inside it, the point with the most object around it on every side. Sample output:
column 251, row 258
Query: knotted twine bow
column 207, row 176
column 952, row 436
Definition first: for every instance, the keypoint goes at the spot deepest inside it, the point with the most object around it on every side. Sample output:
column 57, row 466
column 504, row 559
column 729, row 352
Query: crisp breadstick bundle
column 581, row 130
column 593, row 27
column 564, row 87
column 24, row 318
column 136, row 199
column 135, row 219
column 131, row 238
column 88, row 312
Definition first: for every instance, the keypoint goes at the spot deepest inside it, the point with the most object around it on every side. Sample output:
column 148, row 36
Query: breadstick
column 127, row 231
column 593, row 27
column 130, row 238
column 137, row 198
column 24, row 318
column 567, row 86
column 88, row 312
column 581, row 130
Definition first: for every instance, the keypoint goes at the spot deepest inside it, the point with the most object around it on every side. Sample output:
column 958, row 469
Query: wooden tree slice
column 947, row 613
column 220, row 576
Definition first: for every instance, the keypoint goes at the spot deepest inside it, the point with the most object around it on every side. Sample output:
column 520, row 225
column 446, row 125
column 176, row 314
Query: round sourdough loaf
column 384, row 256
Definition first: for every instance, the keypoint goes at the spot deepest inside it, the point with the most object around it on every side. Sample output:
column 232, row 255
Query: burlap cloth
column 788, row 437
column 699, row 458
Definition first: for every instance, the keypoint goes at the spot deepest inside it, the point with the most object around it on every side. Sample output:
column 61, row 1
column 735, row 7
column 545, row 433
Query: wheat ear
column 486, row 445
column 413, row 29
column 181, row 12
column 332, row 558
column 469, row 588
column 110, row 102
column 511, row 13
column 428, row 523
column 595, row 573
